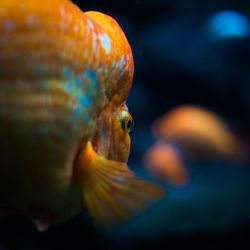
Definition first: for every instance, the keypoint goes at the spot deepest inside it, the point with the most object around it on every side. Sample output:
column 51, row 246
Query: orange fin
column 111, row 192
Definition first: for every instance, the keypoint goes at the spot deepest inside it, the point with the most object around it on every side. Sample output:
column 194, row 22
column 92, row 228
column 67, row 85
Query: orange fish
column 199, row 131
column 64, row 79
column 164, row 162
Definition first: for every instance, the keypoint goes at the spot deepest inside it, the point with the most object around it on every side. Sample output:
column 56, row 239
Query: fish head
column 111, row 192
column 112, row 139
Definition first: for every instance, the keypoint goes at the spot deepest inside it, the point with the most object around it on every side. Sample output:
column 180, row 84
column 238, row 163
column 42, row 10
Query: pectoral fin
column 111, row 192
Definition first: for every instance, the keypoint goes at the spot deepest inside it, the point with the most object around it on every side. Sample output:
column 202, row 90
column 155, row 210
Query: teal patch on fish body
column 85, row 100
column 77, row 82
column 122, row 62
column 77, row 111
column 68, row 87
column 67, row 72
column 85, row 118
column 91, row 75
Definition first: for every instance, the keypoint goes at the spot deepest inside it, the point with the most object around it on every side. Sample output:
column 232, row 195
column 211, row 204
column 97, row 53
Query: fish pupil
column 127, row 122
column 130, row 124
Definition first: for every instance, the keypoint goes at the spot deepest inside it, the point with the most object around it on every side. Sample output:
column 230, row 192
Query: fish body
column 163, row 161
column 62, row 73
column 200, row 132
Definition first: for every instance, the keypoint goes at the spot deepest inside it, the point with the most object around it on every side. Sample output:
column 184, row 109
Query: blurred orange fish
column 163, row 161
column 201, row 133
column 64, row 124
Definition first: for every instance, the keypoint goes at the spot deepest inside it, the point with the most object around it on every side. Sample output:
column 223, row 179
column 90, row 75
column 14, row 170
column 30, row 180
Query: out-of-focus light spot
column 228, row 24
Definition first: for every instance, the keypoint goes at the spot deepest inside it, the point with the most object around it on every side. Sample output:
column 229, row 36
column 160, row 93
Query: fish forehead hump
column 84, row 59
column 51, row 35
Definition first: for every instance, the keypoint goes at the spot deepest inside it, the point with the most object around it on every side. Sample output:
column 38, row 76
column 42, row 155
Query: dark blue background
column 178, row 60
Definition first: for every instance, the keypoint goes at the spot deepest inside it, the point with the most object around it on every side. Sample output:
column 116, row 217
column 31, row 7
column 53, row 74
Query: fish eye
column 127, row 122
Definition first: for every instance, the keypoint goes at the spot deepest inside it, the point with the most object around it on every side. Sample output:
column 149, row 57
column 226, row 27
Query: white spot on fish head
column 76, row 28
column 90, row 24
column 62, row 11
column 105, row 42
column 94, row 42
column 128, row 57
